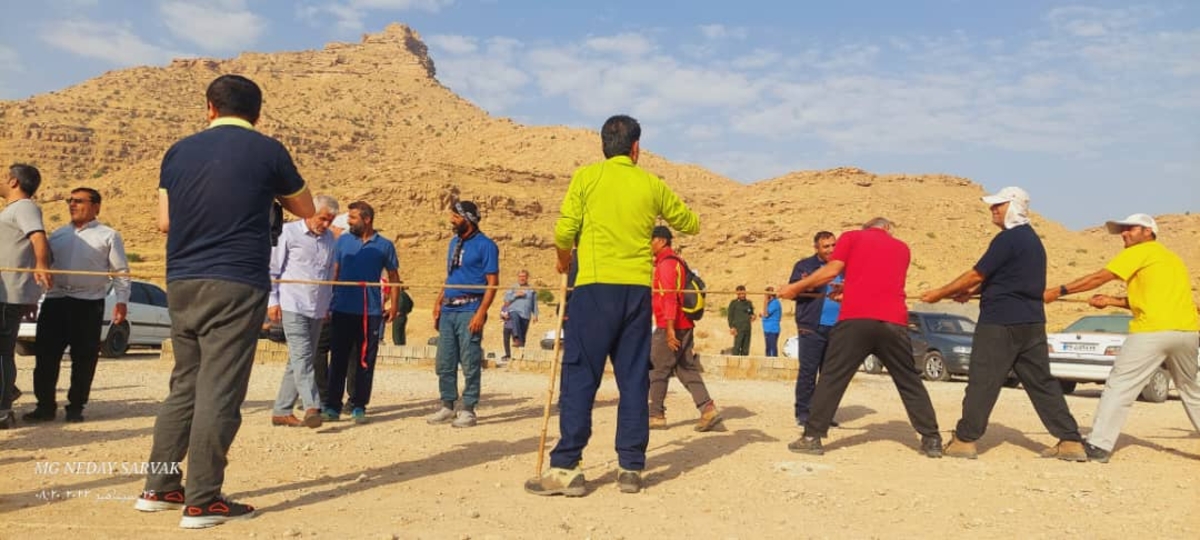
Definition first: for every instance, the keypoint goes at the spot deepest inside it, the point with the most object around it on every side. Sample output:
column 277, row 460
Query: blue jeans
column 457, row 345
column 812, row 357
column 772, row 339
column 298, row 381
column 605, row 321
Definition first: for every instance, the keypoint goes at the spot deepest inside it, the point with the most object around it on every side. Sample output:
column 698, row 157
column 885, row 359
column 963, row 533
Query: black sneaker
column 214, row 513
column 157, row 501
column 629, row 481
column 1095, row 453
column 807, row 445
column 8, row 420
column 932, row 446
column 16, row 393
column 74, row 415
column 38, row 415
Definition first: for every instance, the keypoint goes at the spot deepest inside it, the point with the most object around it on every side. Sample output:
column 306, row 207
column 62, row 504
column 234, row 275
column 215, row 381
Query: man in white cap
column 1011, row 334
column 1162, row 332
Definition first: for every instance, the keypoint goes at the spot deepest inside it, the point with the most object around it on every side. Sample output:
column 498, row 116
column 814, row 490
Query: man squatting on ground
column 1011, row 332
column 1162, row 332
column 460, row 314
column 609, row 211
column 215, row 191
column 873, row 320
column 671, row 345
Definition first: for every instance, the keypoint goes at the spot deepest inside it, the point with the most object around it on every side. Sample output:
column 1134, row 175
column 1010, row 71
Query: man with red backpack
column 671, row 344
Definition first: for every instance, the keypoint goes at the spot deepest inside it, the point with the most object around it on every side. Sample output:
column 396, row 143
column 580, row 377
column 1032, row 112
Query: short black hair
column 740, row 288
column 92, row 194
column 364, row 210
column 618, row 135
column 821, row 236
column 28, row 177
column 235, row 95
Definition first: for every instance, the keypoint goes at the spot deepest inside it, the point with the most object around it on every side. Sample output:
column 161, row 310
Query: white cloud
column 720, row 31
column 452, row 44
column 349, row 14
column 112, row 42
column 623, row 44
column 213, row 25
column 489, row 74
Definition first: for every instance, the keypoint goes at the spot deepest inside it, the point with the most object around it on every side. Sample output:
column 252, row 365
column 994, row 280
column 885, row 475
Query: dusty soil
column 400, row 478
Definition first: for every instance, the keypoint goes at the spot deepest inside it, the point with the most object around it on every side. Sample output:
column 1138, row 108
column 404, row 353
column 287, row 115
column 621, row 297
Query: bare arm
column 817, row 279
column 476, row 324
column 300, row 204
column 962, row 284
column 41, row 254
column 164, row 214
column 393, row 295
column 1085, row 283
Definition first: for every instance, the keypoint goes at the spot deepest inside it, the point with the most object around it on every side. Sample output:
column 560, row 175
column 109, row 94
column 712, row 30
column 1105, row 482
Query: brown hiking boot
column 629, row 481
column 567, row 482
column 658, row 422
column 959, row 448
column 709, row 417
column 312, row 418
column 1066, row 451
column 286, row 420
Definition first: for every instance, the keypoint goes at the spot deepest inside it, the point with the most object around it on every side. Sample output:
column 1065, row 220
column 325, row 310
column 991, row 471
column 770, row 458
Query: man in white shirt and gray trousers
column 72, row 313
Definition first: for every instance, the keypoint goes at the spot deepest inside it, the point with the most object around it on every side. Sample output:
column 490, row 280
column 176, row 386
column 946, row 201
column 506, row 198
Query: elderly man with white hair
column 1011, row 334
column 304, row 252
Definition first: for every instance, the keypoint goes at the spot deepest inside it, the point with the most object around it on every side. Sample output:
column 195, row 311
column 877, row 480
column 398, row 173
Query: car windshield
column 1104, row 324
column 951, row 325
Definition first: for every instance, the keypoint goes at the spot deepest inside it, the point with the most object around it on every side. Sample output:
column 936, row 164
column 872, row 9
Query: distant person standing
column 609, row 211
column 23, row 244
column 521, row 301
column 1163, row 330
column 772, row 314
column 400, row 323
column 215, row 193
column 816, row 314
column 741, row 315
column 1011, row 333
column 72, row 313
column 304, row 252
column 671, row 346
column 360, row 256
column 460, row 314
column 873, row 320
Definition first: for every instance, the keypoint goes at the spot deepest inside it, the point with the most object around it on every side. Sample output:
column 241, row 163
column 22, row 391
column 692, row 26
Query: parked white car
column 1085, row 350
column 147, row 322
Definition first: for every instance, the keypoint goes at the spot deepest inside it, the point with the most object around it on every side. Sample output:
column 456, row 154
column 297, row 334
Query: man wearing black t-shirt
column 215, row 193
column 1011, row 334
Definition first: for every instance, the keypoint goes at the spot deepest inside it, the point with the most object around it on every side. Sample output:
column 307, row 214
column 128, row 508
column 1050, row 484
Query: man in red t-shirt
column 671, row 344
column 873, row 320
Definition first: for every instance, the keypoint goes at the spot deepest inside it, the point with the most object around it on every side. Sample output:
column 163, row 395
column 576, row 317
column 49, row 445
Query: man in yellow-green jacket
column 609, row 212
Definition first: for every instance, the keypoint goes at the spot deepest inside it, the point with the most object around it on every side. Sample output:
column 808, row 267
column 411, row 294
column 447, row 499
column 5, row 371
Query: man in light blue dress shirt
column 304, row 252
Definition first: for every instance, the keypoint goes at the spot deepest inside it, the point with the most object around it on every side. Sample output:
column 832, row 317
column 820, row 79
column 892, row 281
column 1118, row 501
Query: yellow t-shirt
column 1159, row 289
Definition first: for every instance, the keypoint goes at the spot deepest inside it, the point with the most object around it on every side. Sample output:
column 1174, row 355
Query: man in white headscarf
column 1011, row 332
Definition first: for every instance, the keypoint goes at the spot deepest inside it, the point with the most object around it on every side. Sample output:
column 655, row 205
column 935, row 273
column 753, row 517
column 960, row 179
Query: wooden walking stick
column 558, row 339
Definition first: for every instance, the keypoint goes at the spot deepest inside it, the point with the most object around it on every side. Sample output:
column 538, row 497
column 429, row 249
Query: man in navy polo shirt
column 215, row 193
column 815, row 318
column 459, row 314
column 1011, row 334
column 360, row 255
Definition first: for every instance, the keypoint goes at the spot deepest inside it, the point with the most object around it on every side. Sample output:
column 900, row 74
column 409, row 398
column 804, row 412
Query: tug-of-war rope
column 562, row 290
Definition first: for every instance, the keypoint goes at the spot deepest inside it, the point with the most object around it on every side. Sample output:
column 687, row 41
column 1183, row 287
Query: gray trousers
column 214, row 330
column 664, row 362
column 1139, row 358
column 298, row 379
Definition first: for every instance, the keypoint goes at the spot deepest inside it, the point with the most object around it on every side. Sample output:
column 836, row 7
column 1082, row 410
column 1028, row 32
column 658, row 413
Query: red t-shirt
column 668, row 275
column 876, row 269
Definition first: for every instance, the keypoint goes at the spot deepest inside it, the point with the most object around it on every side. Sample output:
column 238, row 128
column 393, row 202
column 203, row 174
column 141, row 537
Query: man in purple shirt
column 304, row 252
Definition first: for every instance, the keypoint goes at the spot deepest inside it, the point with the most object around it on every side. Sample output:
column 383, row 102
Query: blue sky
column 1093, row 107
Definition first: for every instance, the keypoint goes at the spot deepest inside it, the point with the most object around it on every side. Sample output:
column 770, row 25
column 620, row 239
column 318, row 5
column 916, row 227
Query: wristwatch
column 1062, row 290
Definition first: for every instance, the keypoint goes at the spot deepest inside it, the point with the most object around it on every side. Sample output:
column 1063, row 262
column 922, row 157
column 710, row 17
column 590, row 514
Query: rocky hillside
column 371, row 121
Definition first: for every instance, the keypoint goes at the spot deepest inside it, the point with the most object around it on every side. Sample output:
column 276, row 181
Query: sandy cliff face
column 370, row 121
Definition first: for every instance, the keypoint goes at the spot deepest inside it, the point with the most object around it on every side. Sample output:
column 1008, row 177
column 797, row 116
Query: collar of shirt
column 621, row 160
column 230, row 121
column 93, row 223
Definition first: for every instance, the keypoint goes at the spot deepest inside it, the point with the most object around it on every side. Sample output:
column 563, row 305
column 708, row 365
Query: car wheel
column 872, row 365
column 25, row 348
column 116, row 342
column 1067, row 386
column 1156, row 389
column 935, row 367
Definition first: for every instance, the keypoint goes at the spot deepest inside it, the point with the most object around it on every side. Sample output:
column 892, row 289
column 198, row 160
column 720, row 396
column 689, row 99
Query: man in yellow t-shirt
column 1163, row 331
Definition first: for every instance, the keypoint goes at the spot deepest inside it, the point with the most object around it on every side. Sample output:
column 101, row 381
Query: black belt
column 462, row 300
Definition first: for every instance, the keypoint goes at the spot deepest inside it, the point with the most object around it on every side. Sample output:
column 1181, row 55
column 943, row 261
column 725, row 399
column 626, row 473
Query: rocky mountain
column 370, row 121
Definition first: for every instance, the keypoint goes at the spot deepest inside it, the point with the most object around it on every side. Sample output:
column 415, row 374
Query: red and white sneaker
column 157, row 501
column 214, row 513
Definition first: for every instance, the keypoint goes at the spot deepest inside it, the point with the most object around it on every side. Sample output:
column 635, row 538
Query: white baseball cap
column 1008, row 194
column 1144, row 220
column 342, row 221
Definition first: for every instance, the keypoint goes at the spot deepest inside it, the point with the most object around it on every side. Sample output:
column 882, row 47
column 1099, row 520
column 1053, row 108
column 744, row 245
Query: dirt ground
column 397, row 477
